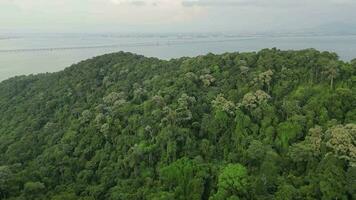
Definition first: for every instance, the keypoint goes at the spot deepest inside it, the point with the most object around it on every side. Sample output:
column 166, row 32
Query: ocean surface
column 39, row 53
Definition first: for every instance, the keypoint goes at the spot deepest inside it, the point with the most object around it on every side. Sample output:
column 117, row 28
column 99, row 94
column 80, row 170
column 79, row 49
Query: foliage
column 263, row 125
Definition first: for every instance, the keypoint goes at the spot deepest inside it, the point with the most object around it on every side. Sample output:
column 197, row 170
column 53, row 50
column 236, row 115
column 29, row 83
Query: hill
column 261, row 125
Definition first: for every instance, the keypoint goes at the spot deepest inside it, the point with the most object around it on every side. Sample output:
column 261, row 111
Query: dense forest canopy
column 262, row 125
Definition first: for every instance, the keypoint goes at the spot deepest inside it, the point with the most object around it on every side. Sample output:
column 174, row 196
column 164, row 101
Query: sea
column 24, row 54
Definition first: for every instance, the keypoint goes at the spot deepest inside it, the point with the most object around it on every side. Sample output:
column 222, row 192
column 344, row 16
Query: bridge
column 109, row 46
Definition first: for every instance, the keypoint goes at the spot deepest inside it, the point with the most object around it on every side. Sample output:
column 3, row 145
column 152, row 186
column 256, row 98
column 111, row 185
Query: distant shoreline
column 180, row 40
column 8, row 38
column 5, row 36
column 46, row 54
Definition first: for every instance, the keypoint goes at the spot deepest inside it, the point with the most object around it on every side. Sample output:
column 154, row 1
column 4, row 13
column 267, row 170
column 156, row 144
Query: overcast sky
column 244, row 16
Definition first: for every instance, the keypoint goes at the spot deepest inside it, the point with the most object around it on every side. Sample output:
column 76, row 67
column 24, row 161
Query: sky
column 243, row 16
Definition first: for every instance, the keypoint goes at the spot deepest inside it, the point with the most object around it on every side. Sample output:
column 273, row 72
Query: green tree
column 34, row 190
column 331, row 72
column 185, row 178
column 232, row 182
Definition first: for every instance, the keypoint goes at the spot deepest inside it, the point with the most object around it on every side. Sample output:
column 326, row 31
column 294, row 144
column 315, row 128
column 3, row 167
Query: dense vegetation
column 267, row 125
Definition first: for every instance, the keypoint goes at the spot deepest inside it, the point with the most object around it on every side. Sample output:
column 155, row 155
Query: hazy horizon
column 45, row 36
column 162, row 16
column 38, row 54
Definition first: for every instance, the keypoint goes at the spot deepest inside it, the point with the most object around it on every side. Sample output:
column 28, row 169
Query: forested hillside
column 263, row 125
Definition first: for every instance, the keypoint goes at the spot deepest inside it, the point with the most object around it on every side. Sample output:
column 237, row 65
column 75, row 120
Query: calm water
column 38, row 54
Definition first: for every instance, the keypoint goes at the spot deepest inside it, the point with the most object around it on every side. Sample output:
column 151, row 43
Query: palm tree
column 331, row 71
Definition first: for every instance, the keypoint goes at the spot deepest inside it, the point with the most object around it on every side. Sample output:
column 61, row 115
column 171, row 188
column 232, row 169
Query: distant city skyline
column 242, row 16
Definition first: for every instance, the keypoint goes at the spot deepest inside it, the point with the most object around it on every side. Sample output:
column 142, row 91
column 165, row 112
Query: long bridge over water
column 112, row 46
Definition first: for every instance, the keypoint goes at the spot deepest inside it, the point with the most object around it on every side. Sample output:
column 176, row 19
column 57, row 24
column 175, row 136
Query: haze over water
column 32, row 54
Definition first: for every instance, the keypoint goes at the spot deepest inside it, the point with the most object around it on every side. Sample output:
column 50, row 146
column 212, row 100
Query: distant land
column 32, row 53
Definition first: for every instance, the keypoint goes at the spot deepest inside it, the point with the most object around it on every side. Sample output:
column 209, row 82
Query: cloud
column 217, row 3
column 269, row 3
column 185, row 3
column 130, row 2
column 175, row 15
column 146, row 2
